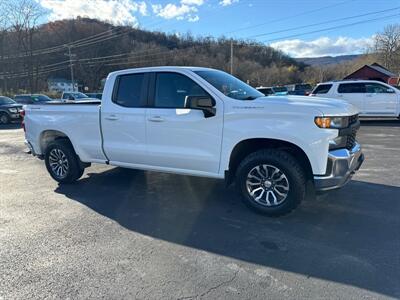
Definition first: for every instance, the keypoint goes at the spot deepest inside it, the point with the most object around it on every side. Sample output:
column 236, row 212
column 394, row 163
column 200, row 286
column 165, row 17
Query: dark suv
column 9, row 110
column 300, row 89
column 32, row 99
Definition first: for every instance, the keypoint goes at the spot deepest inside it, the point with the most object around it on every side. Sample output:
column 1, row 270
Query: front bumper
column 342, row 164
column 15, row 117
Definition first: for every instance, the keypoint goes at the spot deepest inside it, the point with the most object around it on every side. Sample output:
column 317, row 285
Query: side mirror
column 204, row 103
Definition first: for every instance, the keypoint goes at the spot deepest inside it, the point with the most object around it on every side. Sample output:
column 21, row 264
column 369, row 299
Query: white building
column 61, row 85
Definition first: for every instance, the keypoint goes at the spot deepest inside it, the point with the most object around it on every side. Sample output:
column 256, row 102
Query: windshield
column 229, row 85
column 41, row 98
column 79, row 95
column 303, row 87
column 6, row 100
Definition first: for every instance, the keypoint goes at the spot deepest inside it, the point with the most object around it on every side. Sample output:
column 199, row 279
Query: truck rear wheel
column 271, row 181
column 62, row 162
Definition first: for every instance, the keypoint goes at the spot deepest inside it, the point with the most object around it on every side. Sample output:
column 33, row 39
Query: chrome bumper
column 342, row 164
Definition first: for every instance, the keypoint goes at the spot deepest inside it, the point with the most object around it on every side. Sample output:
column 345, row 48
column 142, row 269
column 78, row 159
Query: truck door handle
column 156, row 119
column 112, row 118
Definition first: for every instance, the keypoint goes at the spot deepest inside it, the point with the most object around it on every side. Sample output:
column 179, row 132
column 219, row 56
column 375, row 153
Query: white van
column 372, row 98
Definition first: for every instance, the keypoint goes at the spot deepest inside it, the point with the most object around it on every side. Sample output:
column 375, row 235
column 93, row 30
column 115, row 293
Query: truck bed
column 80, row 121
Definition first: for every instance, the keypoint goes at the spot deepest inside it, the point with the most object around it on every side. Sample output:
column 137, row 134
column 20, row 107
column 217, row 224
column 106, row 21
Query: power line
column 325, row 22
column 332, row 28
column 289, row 17
column 79, row 43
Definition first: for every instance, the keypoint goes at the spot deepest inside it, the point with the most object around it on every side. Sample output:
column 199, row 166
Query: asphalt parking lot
column 131, row 234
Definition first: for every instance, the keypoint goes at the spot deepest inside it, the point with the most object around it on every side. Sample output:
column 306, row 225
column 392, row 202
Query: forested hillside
column 28, row 56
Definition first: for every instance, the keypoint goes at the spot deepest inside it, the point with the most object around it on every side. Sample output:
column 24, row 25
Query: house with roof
column 374, row 72
column 61, row 85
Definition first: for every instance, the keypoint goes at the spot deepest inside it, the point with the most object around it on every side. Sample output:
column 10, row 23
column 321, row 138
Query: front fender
column 298, row 130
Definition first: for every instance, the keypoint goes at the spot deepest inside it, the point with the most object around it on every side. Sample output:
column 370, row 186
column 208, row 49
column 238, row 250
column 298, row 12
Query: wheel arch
column 48, row 136
column 248, row 146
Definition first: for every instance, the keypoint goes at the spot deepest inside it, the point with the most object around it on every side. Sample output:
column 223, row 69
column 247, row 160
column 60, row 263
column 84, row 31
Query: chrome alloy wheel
column 59, row 163
column 267, row 185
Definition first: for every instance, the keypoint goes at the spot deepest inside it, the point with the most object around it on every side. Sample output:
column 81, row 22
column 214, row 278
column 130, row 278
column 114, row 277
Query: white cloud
column 193, row 19
column 193, row 2
column 171, row 11
column 114, row 11
column 323, row 46
column 227, row 2
column 186, row 9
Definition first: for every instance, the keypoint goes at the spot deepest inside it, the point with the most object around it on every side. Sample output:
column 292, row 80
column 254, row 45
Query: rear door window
column 351, row 88
column 130, row 90
column 322, row 89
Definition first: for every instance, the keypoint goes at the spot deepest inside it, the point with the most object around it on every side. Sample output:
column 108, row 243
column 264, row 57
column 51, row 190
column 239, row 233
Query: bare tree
column 3, row 32
column 387, row 47
column 23, row 17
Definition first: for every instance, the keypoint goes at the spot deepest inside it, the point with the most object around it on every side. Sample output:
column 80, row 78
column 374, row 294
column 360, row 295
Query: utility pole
column 231, row 56
column 70, row 55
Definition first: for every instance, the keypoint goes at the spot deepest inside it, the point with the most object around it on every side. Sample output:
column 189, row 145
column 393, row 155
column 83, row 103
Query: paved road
column 132, row 234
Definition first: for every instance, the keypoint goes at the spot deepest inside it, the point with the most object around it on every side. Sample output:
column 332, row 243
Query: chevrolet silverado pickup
column 202, row 122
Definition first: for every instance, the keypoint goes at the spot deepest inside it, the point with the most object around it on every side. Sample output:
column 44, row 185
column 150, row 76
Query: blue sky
column 255, row 19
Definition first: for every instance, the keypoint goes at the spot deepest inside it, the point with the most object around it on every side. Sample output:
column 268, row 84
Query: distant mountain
column 326, row 60
column 101, row 48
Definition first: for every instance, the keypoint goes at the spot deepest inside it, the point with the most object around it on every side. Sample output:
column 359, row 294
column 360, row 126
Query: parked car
column 94, row 95
column 9, row 110
column 275, row 90
column 372, row 98
column 32, row 99
column 300, row 89
column 74, row 96
column 280, row 90
column 202, row 122
column 265, row 90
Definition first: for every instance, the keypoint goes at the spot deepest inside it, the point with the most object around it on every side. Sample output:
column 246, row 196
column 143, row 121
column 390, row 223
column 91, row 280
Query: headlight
column 13, row 110
column 332, row 122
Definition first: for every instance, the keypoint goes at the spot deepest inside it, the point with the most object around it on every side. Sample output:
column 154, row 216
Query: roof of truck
column 162, row 68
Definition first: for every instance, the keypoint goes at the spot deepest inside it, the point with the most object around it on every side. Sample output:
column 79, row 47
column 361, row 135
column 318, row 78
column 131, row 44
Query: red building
column 374, row 72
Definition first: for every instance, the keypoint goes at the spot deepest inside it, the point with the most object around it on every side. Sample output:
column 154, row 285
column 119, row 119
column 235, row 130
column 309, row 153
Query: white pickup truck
column 202, row 122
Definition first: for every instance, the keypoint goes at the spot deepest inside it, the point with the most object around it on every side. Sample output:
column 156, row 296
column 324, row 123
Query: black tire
column 4, row 118
column 64, row 150
column 292, row 185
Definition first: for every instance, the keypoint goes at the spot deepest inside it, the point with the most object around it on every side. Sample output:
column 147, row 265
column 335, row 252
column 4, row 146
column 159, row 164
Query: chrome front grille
column 351, row 138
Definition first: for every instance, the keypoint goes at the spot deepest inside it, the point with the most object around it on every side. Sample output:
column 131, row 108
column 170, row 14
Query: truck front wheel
column 62, row 162
column 271, row 182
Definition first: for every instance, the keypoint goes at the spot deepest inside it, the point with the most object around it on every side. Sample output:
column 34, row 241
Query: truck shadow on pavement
column 350, row 236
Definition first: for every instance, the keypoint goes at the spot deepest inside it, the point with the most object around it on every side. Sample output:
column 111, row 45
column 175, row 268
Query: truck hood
column 326, row 106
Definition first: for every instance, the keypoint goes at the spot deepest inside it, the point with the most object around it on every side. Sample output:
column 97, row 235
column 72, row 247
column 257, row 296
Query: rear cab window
column 322, row 89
